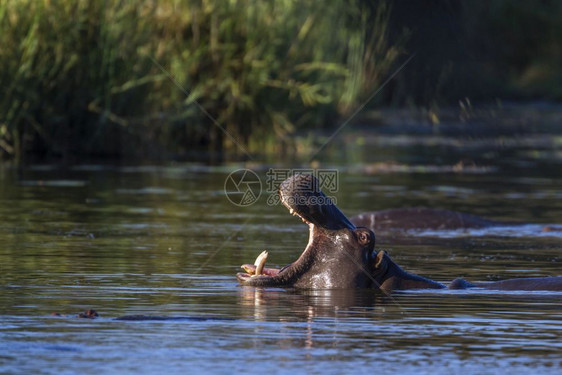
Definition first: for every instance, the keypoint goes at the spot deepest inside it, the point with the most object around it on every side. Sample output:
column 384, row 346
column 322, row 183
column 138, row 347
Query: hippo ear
column 380, row 260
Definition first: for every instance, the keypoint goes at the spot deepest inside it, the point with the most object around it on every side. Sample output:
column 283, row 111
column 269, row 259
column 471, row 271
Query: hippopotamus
column 390, row 276
column 338, row 254
column 93, row 314
column 424, row 218
column 341, row 254
column 421, row 218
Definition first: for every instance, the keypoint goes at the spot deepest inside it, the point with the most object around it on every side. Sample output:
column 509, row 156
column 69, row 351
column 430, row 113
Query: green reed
column 79, row 79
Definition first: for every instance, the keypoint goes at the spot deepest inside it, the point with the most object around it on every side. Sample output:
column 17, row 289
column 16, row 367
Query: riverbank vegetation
column 168, row 79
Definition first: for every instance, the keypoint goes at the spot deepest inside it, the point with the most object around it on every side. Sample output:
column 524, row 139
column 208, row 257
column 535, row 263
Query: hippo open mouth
column 338, row 255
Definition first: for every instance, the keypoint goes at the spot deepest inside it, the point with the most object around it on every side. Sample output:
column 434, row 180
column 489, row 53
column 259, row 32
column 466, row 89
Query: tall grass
column 78, row 76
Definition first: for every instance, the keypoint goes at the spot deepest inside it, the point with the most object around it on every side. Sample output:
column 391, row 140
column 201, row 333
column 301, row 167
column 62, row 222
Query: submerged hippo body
column 390, row 277
column 420, row 218
column 340, row 253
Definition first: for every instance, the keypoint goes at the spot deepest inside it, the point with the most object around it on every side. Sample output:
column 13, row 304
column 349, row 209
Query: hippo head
column 338, row 255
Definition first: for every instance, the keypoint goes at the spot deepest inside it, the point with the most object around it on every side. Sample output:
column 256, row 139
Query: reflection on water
column 320, row 331
column 165, row 241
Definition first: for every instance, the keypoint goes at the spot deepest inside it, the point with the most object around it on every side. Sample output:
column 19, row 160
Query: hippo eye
column 363, row 237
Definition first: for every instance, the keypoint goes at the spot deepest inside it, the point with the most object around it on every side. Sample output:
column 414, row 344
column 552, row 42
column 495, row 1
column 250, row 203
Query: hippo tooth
column 260, row 262
column 249, row 270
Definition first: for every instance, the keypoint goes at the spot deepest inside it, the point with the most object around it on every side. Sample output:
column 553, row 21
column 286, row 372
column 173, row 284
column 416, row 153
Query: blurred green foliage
column 80, row 78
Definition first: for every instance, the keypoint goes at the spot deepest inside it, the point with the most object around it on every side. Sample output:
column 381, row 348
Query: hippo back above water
column 420, row 218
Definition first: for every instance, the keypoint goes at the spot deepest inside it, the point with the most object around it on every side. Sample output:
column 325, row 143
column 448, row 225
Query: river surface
column 165, row 241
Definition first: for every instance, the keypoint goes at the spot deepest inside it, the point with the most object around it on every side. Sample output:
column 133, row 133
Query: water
column 164, row 241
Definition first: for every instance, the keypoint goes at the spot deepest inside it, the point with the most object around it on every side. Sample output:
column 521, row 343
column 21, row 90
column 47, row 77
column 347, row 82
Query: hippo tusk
column 260, row 263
